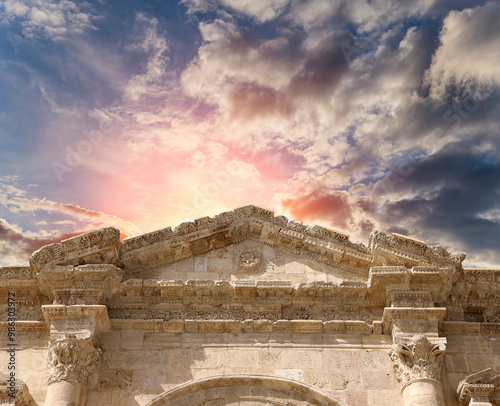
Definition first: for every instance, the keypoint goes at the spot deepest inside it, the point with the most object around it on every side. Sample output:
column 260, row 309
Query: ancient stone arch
column 244, row 390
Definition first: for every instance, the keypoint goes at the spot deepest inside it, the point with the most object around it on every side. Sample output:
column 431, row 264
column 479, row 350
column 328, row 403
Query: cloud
column 344, row 113
column 151, row 81
column 20, row 203
column 469, row 51
column 261, row 10
column 48, row 19
column 452, row 196
column 16, row 246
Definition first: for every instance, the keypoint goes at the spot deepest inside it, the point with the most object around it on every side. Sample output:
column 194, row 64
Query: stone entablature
column 390, row 288
column 97, row 269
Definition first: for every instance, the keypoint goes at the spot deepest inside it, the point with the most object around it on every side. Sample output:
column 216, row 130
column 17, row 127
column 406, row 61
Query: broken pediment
column 249, row 240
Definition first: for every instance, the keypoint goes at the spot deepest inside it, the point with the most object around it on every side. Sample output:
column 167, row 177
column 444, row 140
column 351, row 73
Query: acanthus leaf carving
column 72, row 358
column 419, row 359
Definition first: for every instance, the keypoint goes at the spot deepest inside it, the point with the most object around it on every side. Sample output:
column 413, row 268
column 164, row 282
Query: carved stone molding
column 410, row 298
column 72, row 359
column 90, row 319
column 396, row 249
column 246, row 326
column 419, row 320
column 21, row 392
column 417, row 359
column 95, row 247
column 257, row 389
column 80, row 285
column 478, row 387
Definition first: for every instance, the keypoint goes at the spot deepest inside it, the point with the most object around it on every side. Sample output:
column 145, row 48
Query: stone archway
column 244, row 390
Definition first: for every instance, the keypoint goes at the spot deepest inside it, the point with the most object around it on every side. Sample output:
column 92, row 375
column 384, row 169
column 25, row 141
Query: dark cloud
column 455, row 197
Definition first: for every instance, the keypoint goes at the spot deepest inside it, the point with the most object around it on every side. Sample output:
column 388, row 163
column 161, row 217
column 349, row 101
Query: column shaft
column 65, row 393
column 423, row 392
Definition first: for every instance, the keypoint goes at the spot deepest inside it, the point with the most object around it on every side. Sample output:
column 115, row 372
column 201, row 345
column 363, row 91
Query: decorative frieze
column 410, row 298
column 244, row 326
column 72, row 358
column 417, row 358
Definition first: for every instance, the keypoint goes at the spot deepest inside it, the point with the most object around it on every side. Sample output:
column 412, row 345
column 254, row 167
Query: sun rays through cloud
column 355, row 115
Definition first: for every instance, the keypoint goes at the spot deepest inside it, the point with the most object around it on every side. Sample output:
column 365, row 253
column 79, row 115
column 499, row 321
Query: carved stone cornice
column 245, row 223
column 203, row 235
column 478, row 387
column 435, row 280
column 396, row 249
column 476, row 296
column 16, row 274
column 95, row 247
column 80, row 285
column 409, row 298
column 417, row 358
column 72, row 359
column 21, row 392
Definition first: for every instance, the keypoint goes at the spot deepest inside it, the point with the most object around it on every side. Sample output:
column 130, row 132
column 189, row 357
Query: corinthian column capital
column 72, row 359
column 417, row 358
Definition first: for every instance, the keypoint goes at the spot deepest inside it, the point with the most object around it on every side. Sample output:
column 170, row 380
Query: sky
column 355, row 115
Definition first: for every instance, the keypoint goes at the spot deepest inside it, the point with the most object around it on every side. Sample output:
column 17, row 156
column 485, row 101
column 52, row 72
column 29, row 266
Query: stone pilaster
column 417, row 363
column 76, row 317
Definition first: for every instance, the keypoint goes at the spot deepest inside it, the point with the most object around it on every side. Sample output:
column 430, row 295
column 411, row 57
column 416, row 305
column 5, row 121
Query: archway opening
column 244, row 390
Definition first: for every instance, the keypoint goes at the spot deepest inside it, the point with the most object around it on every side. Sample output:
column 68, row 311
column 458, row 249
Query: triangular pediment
column 248, row 240
column 251, row 260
